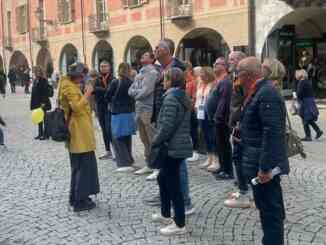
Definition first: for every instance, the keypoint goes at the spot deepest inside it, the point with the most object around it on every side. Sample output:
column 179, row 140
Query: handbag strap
column 288, row 119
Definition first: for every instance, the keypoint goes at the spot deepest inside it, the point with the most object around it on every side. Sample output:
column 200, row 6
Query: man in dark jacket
column 241, row 198
column 263, row 147
column 3, row 83
column 103, row 112
column 12, row 79
column 218, row 109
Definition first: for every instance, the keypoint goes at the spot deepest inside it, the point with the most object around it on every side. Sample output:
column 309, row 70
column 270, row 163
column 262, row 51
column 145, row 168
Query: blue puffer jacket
column 262, row 128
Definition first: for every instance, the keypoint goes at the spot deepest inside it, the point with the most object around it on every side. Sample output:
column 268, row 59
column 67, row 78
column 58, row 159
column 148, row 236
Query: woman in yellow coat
column 81, row 146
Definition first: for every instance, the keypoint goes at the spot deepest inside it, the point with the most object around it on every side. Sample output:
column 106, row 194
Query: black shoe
column 217, row 172
column 306, row 139
column 319, row 134
column 38, row 137
column 84, row 205
column 154, row 201
column 42, row 138
column 224, row 176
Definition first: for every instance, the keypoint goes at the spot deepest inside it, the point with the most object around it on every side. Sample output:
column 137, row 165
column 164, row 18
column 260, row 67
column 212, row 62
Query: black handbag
column 59, row 126
column 159, row 153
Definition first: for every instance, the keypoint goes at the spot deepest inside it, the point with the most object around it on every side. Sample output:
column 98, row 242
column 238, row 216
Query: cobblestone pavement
column 34, row 183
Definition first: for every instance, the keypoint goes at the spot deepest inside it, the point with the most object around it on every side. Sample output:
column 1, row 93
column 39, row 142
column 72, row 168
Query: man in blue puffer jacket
column 263, row 147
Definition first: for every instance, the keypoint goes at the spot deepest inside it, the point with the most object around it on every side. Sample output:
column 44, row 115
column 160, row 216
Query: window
column 66, row 11
column 133, row 3
column 101, row 11
column 21, row 19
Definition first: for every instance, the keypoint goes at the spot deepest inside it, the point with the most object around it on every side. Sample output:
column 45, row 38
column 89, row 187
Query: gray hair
column 252, row 65
column 176, row 76
column 301, row 74
column 273, row 69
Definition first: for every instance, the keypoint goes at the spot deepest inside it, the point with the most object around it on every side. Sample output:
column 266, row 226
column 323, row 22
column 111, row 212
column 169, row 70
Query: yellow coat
column 72, row 101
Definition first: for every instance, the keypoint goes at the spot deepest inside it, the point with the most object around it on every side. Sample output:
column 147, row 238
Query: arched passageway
column 202, row 46
column 136, row 47
column 19, row 62
column 44, row 60
column 102, row 51
column 68, row 56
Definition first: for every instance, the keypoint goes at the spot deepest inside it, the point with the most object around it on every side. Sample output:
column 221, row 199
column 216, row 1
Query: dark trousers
column 269, row 201
column 209, row 134
column 223, row 148
column 40, row 129
column 26, row 88
column 123, row 151
column 242, row 180
column 170, row 190
column 306, row 127
column 84, row 176
column 194, row 130
column 104, row 118
column 13, row 88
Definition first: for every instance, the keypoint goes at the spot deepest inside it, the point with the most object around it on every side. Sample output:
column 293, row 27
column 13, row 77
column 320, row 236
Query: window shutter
column 17, row 20
column 60, row 9
column 72, row 12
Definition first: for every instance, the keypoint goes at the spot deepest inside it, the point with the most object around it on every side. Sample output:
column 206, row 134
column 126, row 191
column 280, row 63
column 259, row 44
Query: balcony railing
column 179, row 10
column 39, row 35
column 98, row 24
column 8, row 43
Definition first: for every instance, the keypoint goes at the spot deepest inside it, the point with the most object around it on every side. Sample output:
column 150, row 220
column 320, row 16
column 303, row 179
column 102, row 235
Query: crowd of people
column 233, row 113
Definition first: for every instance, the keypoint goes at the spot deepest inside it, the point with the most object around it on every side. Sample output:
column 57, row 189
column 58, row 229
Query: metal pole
column 30, row 33
column 83, row 30
column 4, row 60
column 252, row 27
column 161, row 20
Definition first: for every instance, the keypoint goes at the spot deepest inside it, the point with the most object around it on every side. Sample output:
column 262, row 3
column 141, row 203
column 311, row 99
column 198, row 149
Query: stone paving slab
column 34, row 210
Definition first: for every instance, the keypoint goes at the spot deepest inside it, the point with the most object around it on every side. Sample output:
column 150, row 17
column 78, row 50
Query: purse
column 159, row 153
column 293, row 141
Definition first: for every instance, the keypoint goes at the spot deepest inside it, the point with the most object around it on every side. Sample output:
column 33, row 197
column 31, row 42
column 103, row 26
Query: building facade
column 56, row 33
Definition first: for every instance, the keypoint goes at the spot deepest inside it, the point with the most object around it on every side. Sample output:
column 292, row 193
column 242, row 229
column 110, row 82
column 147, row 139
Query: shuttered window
column 101, row 10
column 21, row 19
column 133, row 3
column 66, row 10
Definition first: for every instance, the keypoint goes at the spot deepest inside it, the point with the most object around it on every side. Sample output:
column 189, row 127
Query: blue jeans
column 185, row 184
column 2, row 141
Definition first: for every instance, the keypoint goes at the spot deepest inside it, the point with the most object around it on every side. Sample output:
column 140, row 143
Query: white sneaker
column 194, row 158
column 213, row 167
column 144, row 170
column 190, row 211
column 153, row 176
column 205, row 164
column 238, row 200
column 124, row 169
column 158, row 218
column 173, row 229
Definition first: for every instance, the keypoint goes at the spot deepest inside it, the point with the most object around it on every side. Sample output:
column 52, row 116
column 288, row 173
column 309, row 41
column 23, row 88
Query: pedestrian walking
column 240, row 198
column 218, row 111
column 81, row 145
column 122, row 118
column 191, row 90
column 142, row 90
column 26, row 80
column 263, row 147
column 12, row 76
column 208, row 78
column 2, row 139
column 308, row 110
column 173, row 130
column 103, row 108
column 3, row 83
column 40, row 98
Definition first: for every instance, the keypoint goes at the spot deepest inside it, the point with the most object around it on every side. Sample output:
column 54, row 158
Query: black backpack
column 59, row 129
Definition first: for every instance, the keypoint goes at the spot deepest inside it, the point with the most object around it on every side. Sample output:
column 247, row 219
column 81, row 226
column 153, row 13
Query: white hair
column 301, row 74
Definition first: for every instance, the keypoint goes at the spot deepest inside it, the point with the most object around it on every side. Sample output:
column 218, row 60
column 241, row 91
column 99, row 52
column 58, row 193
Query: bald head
column 249, row 71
